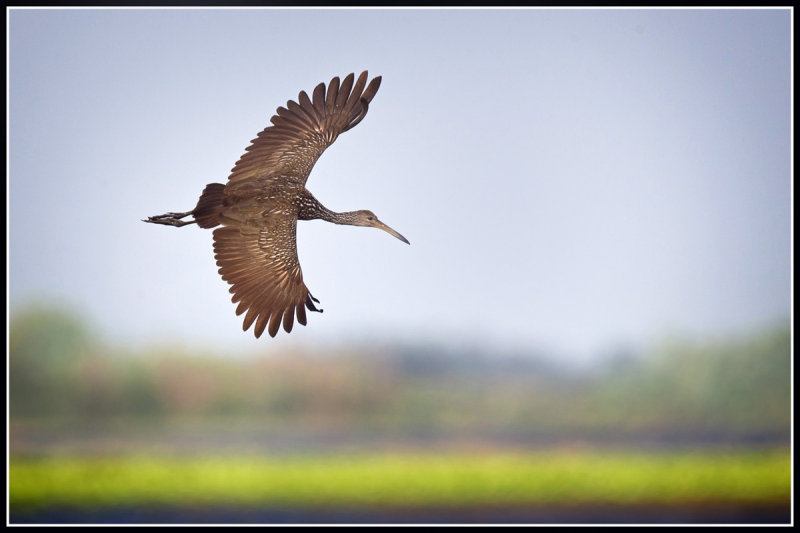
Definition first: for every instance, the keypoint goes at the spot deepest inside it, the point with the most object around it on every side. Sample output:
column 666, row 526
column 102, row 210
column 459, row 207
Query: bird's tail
column 210, row 205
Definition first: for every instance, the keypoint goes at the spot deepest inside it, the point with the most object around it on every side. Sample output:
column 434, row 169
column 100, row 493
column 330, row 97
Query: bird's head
column 368, row 218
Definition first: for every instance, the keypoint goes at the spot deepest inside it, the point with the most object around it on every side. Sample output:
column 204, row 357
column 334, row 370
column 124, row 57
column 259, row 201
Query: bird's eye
column 369, row 218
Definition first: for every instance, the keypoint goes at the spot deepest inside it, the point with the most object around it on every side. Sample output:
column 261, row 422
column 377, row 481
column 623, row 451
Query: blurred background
column 596, row 297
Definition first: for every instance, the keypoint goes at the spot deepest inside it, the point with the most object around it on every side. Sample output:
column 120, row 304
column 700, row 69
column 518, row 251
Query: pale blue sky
column 568, row 179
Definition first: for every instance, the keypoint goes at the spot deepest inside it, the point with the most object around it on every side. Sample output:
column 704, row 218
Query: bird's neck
column 311, row 209
column 346, row 217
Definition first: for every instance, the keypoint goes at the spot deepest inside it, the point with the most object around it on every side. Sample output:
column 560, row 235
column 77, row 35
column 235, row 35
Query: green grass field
column 404, row 479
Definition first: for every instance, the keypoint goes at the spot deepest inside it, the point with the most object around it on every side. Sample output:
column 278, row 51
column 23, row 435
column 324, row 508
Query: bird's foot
column 310, row 305
column 170, row 219
column 171, row 215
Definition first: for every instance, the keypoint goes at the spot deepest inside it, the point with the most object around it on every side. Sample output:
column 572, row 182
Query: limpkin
column 258, row 208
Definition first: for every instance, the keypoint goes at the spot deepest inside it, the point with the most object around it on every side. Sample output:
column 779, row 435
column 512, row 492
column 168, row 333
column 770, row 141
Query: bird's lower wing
column 260, row 262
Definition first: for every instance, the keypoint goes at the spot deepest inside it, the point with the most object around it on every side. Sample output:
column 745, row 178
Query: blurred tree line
column 59, row 370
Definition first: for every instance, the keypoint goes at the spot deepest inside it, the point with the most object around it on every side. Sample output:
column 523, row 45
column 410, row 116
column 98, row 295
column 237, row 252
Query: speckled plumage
column 264, row 197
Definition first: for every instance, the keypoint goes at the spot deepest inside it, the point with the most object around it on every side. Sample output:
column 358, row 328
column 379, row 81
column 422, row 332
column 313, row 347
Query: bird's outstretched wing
column 300, row 132
column 260, row 262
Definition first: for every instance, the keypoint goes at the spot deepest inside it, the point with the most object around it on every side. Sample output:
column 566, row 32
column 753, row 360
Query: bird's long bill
column 390, row 231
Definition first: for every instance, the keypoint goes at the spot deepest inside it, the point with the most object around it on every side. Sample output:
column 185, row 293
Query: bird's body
column 258, row 208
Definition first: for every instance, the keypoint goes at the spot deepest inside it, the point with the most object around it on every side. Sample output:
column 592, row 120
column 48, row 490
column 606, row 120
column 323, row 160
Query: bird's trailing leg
column 310, row 304
column 171, row 219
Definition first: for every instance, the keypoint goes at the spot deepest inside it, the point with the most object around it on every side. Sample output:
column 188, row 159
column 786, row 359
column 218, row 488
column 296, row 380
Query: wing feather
column 330, row 97
column 319, row 100
column 301, row 131
column 261, row 265
column 355, row 96
column 300, row 309
column 344, row 90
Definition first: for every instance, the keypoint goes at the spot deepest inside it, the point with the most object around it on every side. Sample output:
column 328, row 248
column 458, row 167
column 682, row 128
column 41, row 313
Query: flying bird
column 257, row 210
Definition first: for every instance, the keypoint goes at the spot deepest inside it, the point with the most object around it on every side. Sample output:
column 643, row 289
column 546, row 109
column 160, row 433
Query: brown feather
column 344, row 90
column 288, row 320
column 261, row 323
column 355, row 96
column 372, row 88
column 319, row 99
column 275, row 323
column 330, row 97
column 301, row 313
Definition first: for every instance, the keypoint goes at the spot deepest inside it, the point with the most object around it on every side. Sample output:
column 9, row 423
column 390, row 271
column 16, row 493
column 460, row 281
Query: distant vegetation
column 739, row 388
column 406, row 480
column 98, row 429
